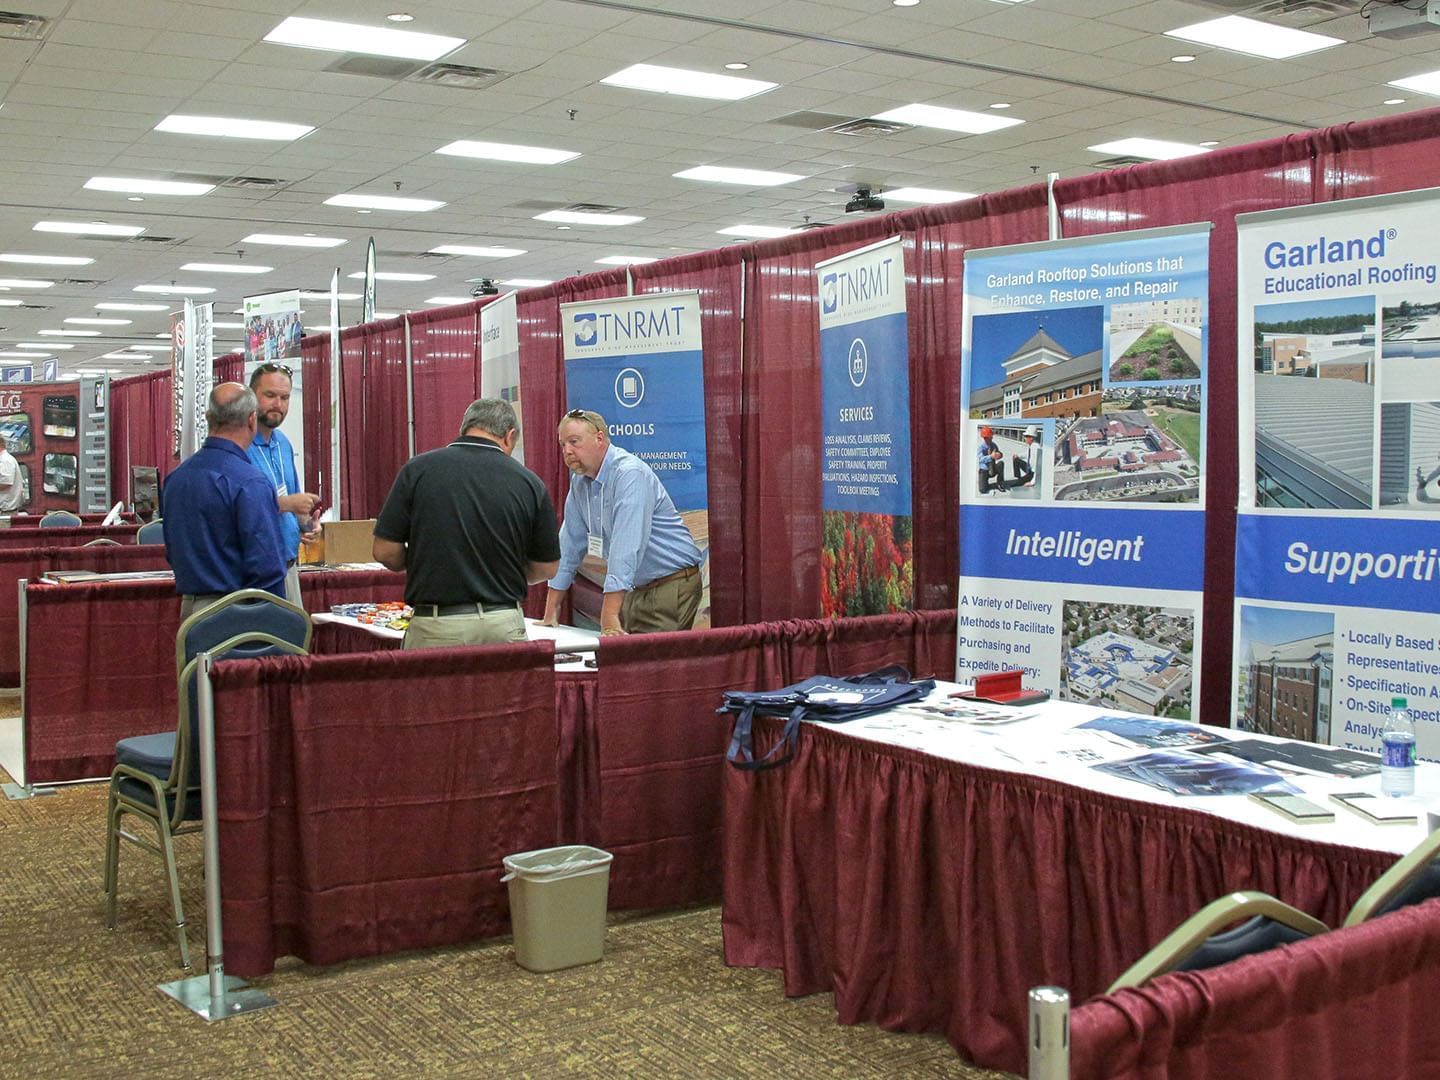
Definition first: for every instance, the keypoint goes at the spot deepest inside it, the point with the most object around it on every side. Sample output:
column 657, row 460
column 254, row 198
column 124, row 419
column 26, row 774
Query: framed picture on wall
column 16, row 429
column 145, row 490
column 61, row 476
column 61, row 417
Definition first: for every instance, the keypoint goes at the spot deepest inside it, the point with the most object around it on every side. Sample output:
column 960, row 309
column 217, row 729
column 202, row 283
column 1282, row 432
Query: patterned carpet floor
column 77, row 1000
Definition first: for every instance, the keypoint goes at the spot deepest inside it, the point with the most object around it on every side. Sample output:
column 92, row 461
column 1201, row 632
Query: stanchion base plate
column 16, row 792
column 240, row 997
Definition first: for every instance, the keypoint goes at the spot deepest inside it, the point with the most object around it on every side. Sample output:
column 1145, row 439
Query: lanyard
column 277, row 472
column 590, row 508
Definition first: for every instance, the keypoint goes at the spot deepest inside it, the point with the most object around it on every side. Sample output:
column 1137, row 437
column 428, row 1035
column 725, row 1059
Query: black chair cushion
column 1254, row 935
column 1422, row 886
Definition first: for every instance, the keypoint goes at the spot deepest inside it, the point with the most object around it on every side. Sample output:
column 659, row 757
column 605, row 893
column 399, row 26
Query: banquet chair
column 152, row 532
column 60, row 519
column 157, row 777
column 103, row 541
column 1412, row 878
column 1202, row 942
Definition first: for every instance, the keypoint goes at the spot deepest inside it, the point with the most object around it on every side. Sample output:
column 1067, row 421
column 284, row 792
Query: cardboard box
column 349, row 541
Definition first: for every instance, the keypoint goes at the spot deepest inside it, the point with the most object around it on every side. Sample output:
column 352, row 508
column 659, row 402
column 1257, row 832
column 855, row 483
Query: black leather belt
column 439, row 611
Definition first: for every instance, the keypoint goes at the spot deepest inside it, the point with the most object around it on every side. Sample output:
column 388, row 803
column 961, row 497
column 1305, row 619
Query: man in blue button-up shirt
column 222, row 524
column 618, row 509
column 270, row 452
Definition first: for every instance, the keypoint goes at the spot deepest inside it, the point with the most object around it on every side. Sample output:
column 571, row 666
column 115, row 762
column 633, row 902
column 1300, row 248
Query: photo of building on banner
column 1083, row 467
column 637, row 361
column 867, row 561
column 1337, row 553
column 272, row 327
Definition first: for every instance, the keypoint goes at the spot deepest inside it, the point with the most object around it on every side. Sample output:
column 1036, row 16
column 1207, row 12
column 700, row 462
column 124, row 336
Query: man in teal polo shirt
column 272, row 454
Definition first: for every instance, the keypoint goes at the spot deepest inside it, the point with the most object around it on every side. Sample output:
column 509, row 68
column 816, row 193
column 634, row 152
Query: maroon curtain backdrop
column 1353, row 1004
column 315, row 413
column 228, row 367
column 385, row 443
column 140, row 432
column 340, row 802
column 445, row 366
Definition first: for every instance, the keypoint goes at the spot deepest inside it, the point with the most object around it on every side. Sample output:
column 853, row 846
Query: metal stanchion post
column 16, row 792
column 215, row 996
column 1049, row 1033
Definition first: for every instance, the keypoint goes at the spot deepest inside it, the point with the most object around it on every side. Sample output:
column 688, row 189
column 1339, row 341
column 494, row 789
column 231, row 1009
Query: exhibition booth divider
column 761, row 363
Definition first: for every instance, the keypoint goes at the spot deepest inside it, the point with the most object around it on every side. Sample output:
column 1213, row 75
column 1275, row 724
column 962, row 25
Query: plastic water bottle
column 1397, row 753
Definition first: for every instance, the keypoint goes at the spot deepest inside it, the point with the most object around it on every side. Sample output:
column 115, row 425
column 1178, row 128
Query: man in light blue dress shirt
column 617, row 509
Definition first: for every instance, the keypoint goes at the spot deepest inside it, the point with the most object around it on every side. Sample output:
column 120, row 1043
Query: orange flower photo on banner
column 867, row 564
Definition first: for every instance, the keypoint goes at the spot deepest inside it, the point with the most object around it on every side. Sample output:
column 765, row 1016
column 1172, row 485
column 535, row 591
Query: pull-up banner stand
column 1082, row 528
column 500, row 360
column 1337, row 552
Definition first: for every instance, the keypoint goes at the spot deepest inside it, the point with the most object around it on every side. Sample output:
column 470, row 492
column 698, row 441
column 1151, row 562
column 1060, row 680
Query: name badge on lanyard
column 596, row 546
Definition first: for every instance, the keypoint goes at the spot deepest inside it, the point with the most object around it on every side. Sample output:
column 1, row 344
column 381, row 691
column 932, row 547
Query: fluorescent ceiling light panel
column 582, row 217
column 383, row 202
column 1426, row 83
column 326, row 296
column 288, row 240
column 926, row 195
column 625, row 260
column 757, row 232
column 478, row 252
column 48, row 260
column 11, row 303
column 88, row 228
column 69, row 333
column 225, row 326
column 391, row 275
column 233, row 128
column 495, row 151
column 446, row 301
column 527, row 282
column 99, row 322
column 721, row 174
column 175, row 290
column 24, row 283
column 227, row 268
column 938, row 116
column 1153, row 149
column 19, row 355
column 130, row 185
column 124, row 356
column 355, row 38
column 44, row 345
column 1254, row 38
column 115, row 306
column 685, row 83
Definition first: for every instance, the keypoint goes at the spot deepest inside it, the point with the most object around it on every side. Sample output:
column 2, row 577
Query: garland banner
column 867, row 561
column 637, row 360
column 1337, row 552
column 1082, row 478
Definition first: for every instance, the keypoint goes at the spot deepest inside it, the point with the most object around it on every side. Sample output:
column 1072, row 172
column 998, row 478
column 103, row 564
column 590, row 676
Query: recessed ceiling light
column 317, row 295
column 946, row 119
column 400, row 16
column 527, row 282
column 1154, row 149
column 583, row 217
column 354, row 38
column 446, row 301
column 44, row 345
column 755, row 232
column 384, row 202
column 175, row 290
column 478, row 252
column 390, row 275
column 111, row 305
column 228, row 325
column 999, row 105
column 1210, row 142
column 1394, row 101
column 88, row 228
column 136, row 186
column 494, row 151
column 562, row 228
column 309, row 240
column 625, row 260
column 1426, row 83
column 686, row 83
column 232, row 128
column 926, row 195
column 905, row 3
column 136, row 198
column 721, row 174
column 11, row 303
column 736, row 65
column 124, row 356
column 99, row 322
column 227, row 268
column 1183, row 58
column 1254, row 38
column 69, row 333
column 16, row 354
column 24, row 283
column 48, row 260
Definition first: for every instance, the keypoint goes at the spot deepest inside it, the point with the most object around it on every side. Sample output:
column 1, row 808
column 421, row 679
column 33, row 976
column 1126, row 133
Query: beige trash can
column 558, row 898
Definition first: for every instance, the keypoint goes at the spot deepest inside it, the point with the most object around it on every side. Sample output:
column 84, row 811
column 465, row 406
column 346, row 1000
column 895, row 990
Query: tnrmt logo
column 585, row 328
column 829, row 295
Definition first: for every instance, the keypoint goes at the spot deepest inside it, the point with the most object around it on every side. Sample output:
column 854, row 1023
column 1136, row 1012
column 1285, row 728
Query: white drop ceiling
column 84, row 101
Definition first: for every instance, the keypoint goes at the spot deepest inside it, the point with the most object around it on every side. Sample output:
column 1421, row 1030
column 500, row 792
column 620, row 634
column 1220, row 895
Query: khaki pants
column 492, row 628
column 671, row 605
column 292, row 586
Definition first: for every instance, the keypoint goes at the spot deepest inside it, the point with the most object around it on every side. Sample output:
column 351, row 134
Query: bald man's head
column 231, row 410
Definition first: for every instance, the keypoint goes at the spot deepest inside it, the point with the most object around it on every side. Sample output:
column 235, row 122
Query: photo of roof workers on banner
column 1336, row 557
column 867, row 562
column 272, row 327
column 1083, row 466
column 637, row 363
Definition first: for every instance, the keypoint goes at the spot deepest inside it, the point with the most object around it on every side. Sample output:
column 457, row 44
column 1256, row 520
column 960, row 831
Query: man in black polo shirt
column 472, row 529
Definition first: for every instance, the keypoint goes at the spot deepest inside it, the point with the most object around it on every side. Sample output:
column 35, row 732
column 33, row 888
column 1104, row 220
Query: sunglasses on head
column 576, row 414
column 271, row 368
